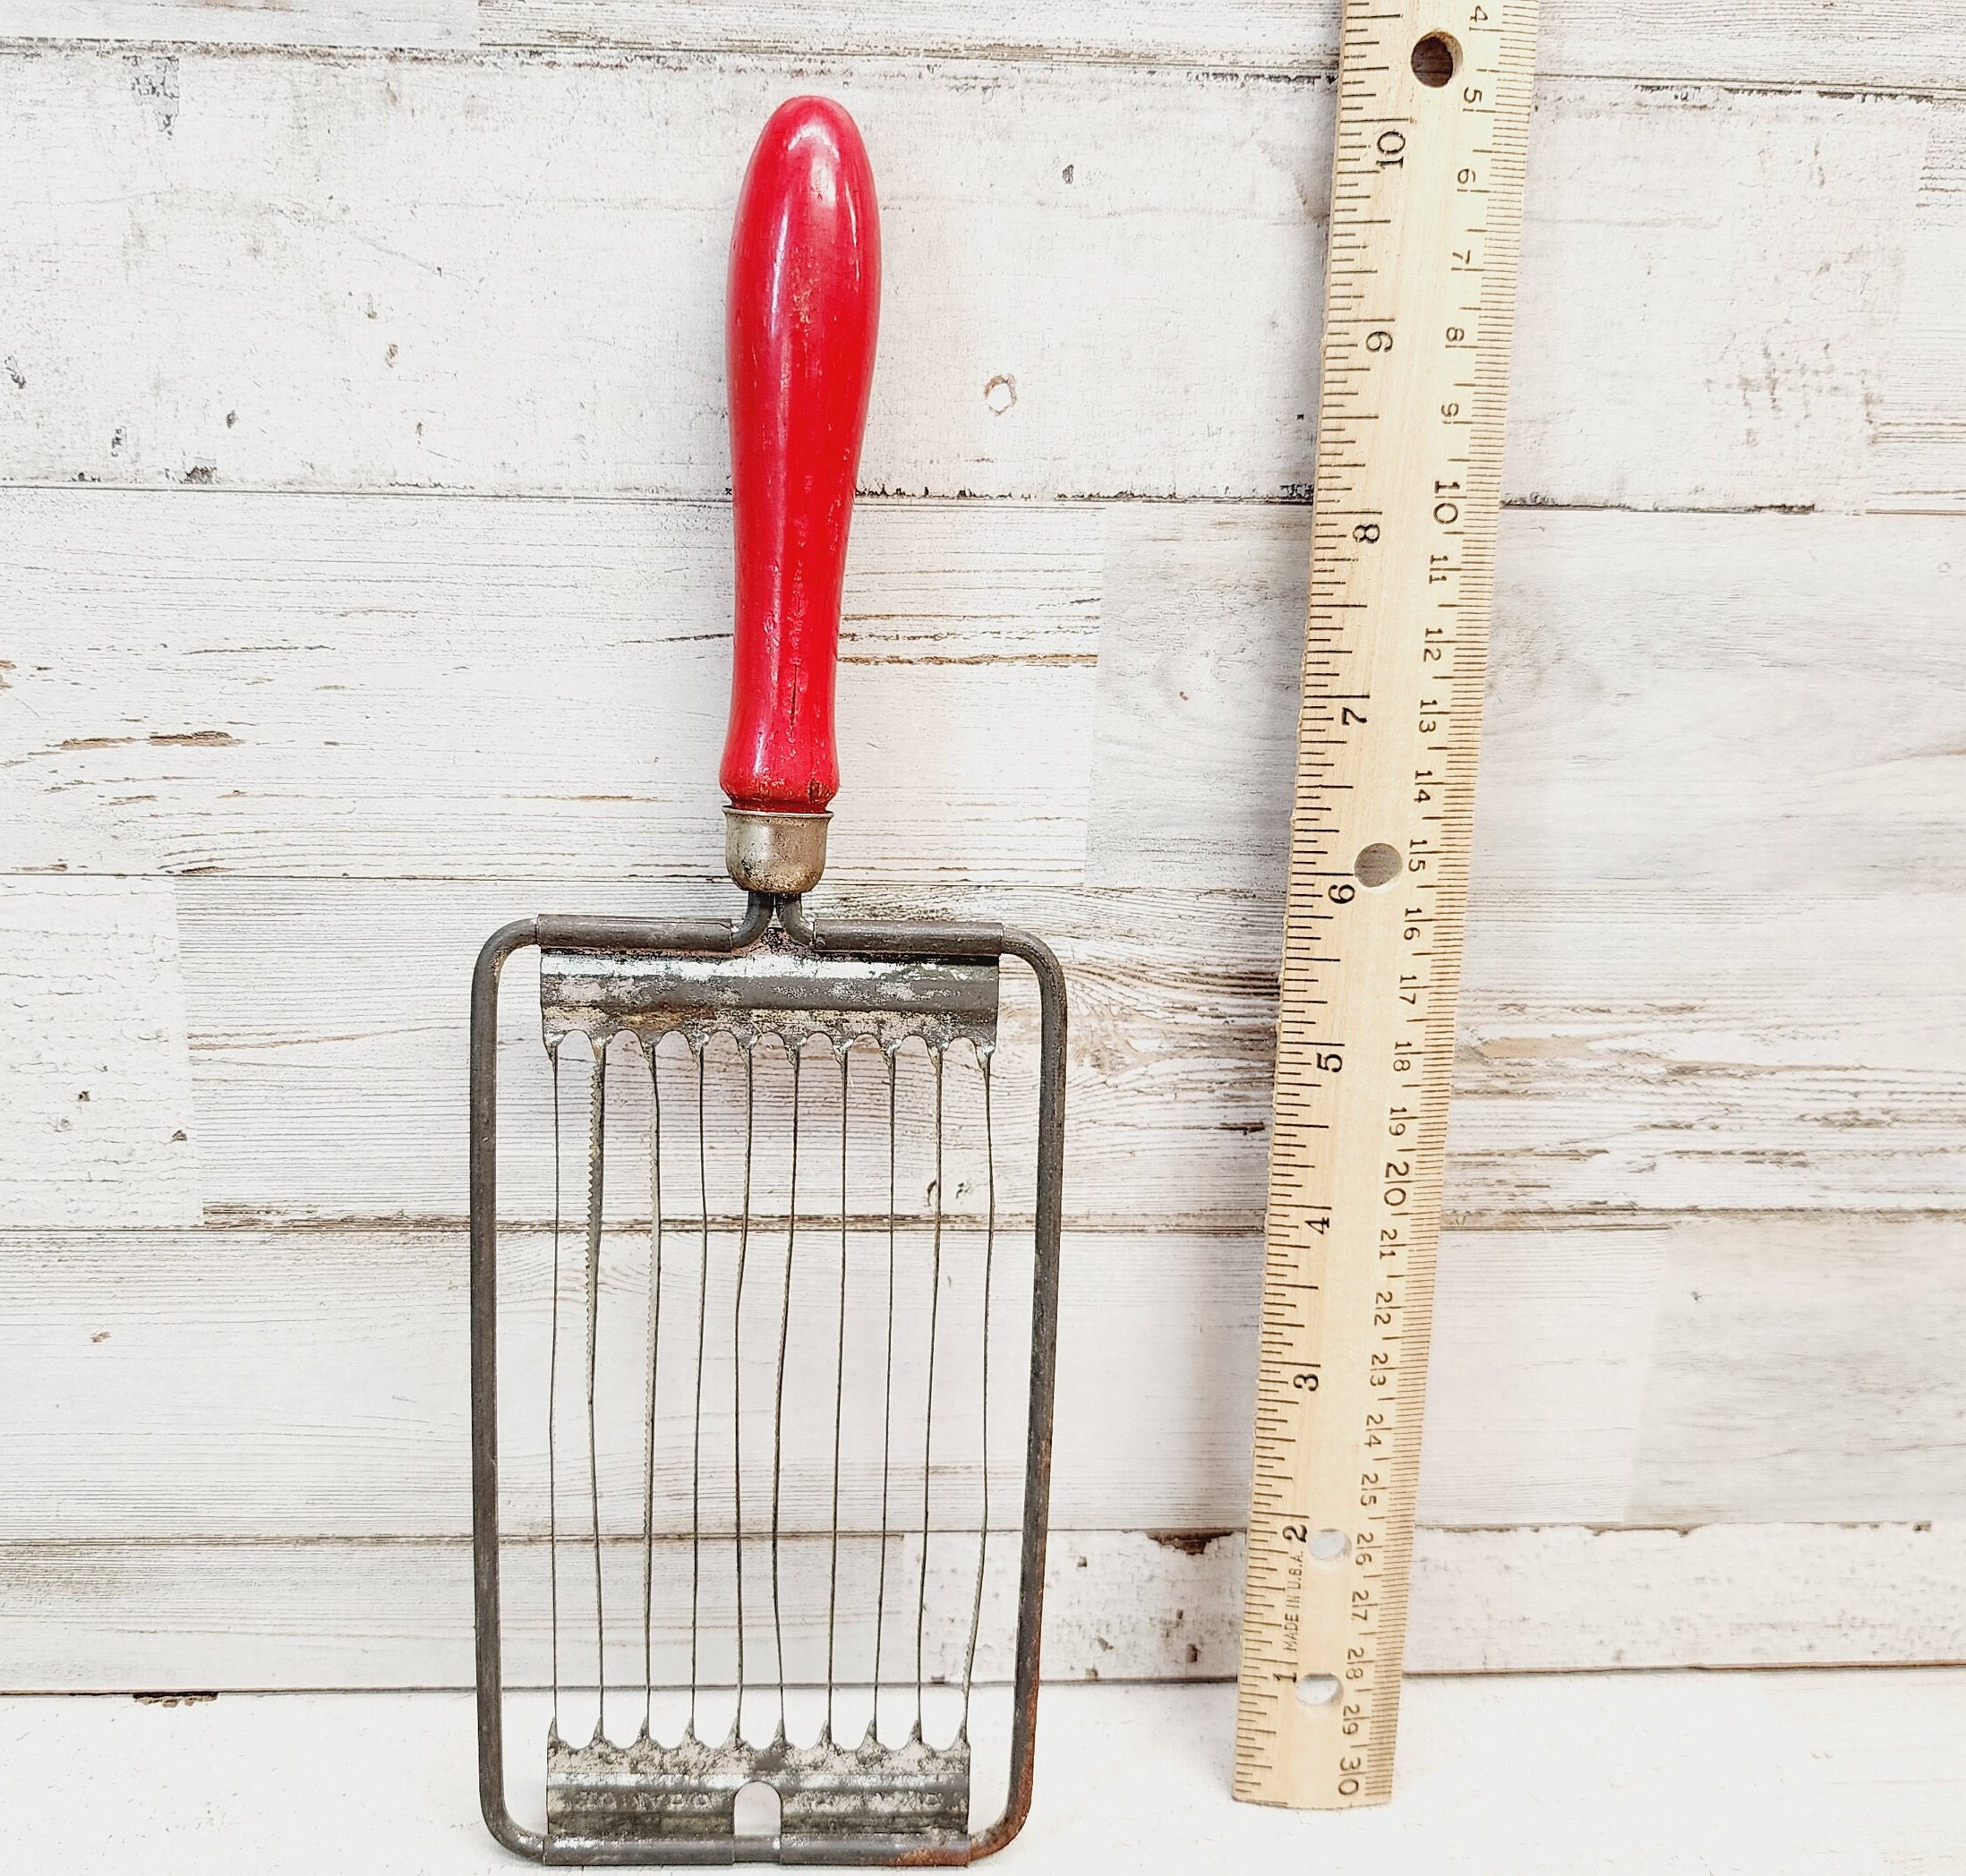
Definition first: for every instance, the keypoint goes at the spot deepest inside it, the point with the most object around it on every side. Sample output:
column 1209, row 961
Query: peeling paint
column 1189, row 1543
column 154, row 80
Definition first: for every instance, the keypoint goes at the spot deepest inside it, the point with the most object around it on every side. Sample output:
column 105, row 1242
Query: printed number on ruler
column 1426, row 198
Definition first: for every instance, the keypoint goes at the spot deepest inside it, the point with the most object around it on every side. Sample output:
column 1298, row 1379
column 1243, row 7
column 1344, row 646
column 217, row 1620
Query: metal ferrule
column 781, row 854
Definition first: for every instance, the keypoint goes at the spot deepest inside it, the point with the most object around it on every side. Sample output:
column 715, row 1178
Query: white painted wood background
column 361, row 458
column 1623, row 1775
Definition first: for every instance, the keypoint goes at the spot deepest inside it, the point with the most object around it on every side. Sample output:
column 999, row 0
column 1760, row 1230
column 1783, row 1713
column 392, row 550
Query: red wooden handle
column 804, row 308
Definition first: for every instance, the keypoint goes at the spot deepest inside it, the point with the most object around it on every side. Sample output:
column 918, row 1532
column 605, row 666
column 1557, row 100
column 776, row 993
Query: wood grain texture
column 1919, row 462
column 1625, row 1775
column 312, row 1383
column 1755, row 1397
column 1648, row 675
column 1670, row 909
column 1881, row 44
column 1597, row 1074
column 422, row 25
column 1648, row 671
column 391, row 1613
column 1119, row 1606
column 95, row 1069
column 271, row 765
column 1886, row 43
column 1130, row 252
column 430, row 682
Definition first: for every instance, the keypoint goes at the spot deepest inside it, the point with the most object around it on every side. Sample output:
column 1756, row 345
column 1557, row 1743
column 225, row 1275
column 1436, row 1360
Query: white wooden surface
column 361, row 473
column 1653, row 1775
column 444, row 293
column 1876, row 43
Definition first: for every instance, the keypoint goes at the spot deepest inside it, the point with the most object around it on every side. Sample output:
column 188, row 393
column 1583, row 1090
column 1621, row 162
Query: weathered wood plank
column 1623, row 1775
column 1536, row 1381
column 410, row 686
column 315, row 1383
column 399, row 686
column 1772, row 1104
column 1716, row 1595
column 1648, row 674
column 312, row 1383
column 1647, row 677
column 506, row 274
column 1876, row 42
column 1754, row 1396
column 420, row 25
column 1597, row 1074
column 1918, row 461
column 95, row 1070
column 1119, row 1606
column 1890, row 44
column 1617, row 1056
column 1658, row 1017
column 398, row 1612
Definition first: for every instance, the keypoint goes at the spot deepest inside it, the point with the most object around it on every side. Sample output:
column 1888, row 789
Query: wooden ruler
column 1427, row 209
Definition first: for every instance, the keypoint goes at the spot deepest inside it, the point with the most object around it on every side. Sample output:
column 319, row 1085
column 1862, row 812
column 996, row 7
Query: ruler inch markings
column 1426, row 205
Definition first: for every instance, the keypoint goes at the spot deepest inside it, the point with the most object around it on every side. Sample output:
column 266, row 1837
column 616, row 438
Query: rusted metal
column 780, row 989
column 830, row 1796
column 484, row 1385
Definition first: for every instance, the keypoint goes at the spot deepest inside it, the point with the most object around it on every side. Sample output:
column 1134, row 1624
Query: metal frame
column 874, row 940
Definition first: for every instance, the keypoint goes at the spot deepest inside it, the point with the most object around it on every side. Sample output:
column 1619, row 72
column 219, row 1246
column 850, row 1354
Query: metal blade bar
column 789, row 993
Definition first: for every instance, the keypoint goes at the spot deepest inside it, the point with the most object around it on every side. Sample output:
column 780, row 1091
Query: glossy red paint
column 804, row 308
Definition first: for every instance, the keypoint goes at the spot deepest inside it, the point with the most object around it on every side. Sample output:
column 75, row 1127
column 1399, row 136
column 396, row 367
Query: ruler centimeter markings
column 1426, row 211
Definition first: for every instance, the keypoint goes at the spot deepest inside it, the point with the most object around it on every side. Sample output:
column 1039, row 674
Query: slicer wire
column 889, row 1533
column 778, row 1401
column 887, row 1411
column 695, row 1458
column 737, row 1378
column 839, row 1392
column 552, row 1397
column 655, row 1378
column 928, row 1413
column 597, row 1114
column 983, row 1469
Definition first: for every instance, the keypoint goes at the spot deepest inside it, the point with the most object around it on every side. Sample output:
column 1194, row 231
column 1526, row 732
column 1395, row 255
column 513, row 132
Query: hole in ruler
column 1317, row 1690
column 1329, row 1546
column 756, row 1812
column 1376, row 863
column 1434, row 59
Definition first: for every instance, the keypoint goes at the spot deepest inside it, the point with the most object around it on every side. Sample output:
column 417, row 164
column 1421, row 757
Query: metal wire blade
column 770, row 1317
